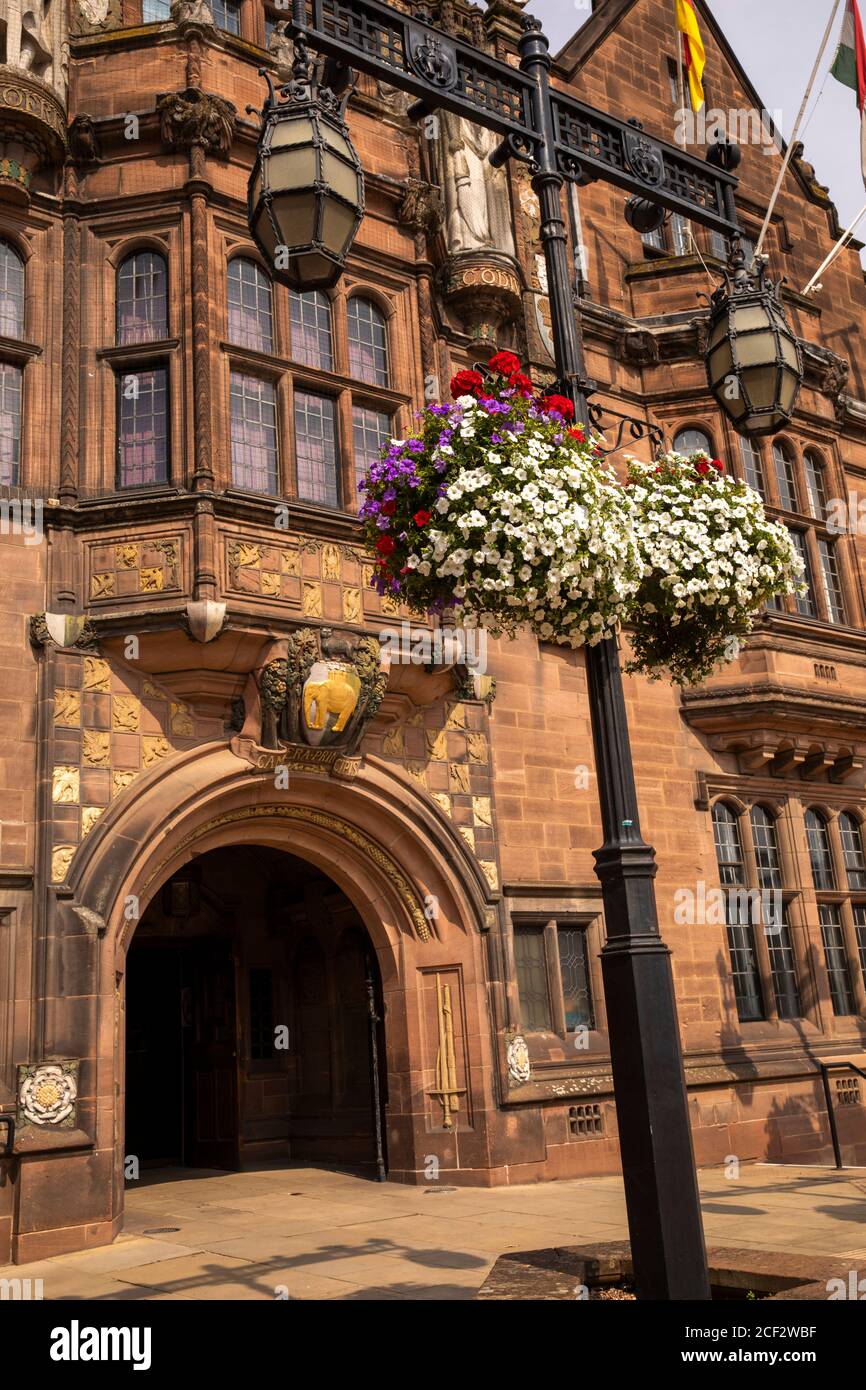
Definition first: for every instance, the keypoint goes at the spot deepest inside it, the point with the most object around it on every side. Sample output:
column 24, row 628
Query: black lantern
column 306, row 190
column 754, row 363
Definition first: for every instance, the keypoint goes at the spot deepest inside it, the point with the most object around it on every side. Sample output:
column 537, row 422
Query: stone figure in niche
column 94, row 11
column 28, row 35
column 477, row 201
column 192, row 12
column 280, row 45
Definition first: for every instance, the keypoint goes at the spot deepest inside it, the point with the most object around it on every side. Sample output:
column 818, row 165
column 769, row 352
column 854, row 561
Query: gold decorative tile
column 443, row 801
column 61, row 858
column 122, row 778
column 458, row 777
column 366, row 576
column 246, row 556
column 125, row 714
column 181, row 720
column 330, row 563
column 271, row 587
column 151, row 691
column 488, row 868
column 151, row 580
column 436, row 745
column 64, row 784
column 97, row 674
column 394, row 743
column 153, row 748
column 390, row 605
column 418, row 772
column 102, row 585
column 482, row 810
column 126, row 557
column 456, row 717
column 352, row 606
column 95, row 748
column 67, row 708
column 89, row 816
column 291, row 562
column 312, row 599
column 477, row 745
column 469, row 835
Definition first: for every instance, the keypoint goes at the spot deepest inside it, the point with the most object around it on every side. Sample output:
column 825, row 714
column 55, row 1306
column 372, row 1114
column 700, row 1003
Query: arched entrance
column 253, row 991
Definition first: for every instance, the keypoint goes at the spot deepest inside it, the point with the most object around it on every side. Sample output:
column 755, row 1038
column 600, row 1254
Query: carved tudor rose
column 47, row 1094
column 517, row 1055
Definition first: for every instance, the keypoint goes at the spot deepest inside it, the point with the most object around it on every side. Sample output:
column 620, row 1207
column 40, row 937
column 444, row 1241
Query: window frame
column 129, row 368
column 548, row 925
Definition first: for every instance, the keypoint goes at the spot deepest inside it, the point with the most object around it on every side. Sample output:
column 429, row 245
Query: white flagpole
column 837, row 249
column 796, row 131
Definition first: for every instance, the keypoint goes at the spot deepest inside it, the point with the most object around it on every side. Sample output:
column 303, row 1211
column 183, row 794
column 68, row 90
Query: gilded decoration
column 95, row 748
column 126, row 569
column 343, row 829
column 64, row 784
column 47, row 1093
column 61, row 858
column 67, row 708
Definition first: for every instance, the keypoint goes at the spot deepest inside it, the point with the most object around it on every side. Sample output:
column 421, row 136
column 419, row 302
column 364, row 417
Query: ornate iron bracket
column 637, row 429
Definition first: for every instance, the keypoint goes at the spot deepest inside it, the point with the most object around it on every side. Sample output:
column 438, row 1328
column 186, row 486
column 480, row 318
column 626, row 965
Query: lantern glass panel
column 750, row 316
column 338, row 224
column 760, row 383
column 721, row 362
column 789, row 353
column 756, row 349
column 313, row 269
column 788, row 391
column 719, row 333
column 264, row 233
column 296, row 216
column 340, row 178
column 297, row 132
column 337, row 141
column 291, row 169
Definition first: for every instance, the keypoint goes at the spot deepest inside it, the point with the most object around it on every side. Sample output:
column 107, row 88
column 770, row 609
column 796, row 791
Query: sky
column 776, row 42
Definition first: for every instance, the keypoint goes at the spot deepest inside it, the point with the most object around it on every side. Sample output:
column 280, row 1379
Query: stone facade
column 153, row 779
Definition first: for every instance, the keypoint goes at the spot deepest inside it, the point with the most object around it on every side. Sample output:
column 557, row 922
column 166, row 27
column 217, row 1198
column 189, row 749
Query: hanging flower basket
column 501, row 510
column 711, row 560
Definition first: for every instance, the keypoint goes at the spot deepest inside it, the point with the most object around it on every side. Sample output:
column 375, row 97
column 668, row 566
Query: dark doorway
column 254, row 1020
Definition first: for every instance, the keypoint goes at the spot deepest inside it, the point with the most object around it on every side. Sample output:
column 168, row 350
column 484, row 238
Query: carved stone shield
column 328, row 701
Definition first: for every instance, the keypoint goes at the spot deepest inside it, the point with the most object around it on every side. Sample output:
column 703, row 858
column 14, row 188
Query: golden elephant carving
column 336, row 695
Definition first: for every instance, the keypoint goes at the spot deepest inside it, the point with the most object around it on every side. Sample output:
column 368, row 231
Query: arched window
column 820, row 853
column 251, row 320
column 816, row 484
column 741, row 941
column 368, row 342
column 753, row 465
column 312, row 336
column 693, row 441
column 11, row 292
column 142, row 299
column 785, row 480
column 852, row 849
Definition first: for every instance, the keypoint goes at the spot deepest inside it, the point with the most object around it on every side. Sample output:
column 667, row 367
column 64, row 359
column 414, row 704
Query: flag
column 849, row 67
column 693, row 50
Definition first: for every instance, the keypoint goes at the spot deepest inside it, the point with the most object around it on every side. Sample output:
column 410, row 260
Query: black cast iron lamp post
column 754, row 363
column 306, row 190
column 561, row 138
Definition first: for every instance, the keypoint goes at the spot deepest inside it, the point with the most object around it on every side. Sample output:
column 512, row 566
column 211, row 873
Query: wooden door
column 211, row 1108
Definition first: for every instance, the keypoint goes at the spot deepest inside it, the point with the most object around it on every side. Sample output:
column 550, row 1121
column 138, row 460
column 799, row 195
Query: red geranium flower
column 386, row 545
column 520, row 382
column 718, row 465
column 466, row 383
column 505, row 363
column 561, row 404
column 576, row 432
column 421, row 518
column 389, row 507
column 702, row 467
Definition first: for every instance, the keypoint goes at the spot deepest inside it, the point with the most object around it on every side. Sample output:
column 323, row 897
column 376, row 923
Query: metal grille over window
column 368, row 342
column 142, row 436
column 741, row 942
column 11, row 292
column 571, row 943
column 836, row 961
column 251, row 322
column 532, row 983
column 254, row 434
column 312, row 337
column 142, row 299
column 316, row 448
column 10, row 423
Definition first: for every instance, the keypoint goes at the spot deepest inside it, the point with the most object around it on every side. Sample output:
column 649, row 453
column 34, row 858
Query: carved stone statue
column 192, row 12
column 280, row 45
column 477, row 201
column 35, row 32
column 194, row 117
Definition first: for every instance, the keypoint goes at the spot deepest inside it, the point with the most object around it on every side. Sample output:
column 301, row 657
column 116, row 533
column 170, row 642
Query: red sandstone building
column 227, row 935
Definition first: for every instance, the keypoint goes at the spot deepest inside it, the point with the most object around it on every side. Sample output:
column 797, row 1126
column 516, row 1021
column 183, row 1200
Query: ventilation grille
column 848, row 1090
column 585, row 1120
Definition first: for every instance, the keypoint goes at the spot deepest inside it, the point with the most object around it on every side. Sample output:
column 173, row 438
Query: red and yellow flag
column 694, row 57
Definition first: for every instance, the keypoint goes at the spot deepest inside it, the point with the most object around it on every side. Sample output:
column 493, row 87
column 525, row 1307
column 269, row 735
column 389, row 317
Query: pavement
column 314, row 1233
